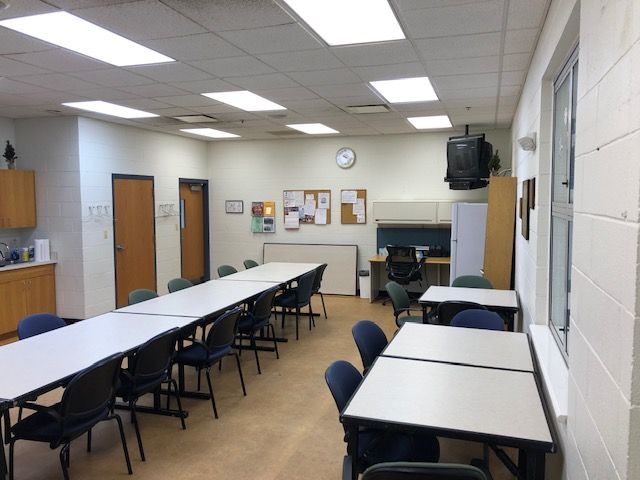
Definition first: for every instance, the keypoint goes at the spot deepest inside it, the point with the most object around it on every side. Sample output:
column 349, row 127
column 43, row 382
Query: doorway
column 134, row 234
column 194, row 229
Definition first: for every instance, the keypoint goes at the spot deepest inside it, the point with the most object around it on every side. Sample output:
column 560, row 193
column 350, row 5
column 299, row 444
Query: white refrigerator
column 468, row 225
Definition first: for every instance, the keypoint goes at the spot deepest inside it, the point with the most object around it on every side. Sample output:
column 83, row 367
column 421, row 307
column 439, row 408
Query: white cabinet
column 444, row 212
column 419, row 213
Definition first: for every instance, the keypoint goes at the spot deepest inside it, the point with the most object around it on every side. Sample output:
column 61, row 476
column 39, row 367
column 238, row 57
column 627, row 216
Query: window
column 562, row 170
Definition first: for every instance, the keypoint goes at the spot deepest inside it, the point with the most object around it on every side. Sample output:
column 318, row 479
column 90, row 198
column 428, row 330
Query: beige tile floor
column 286, row 428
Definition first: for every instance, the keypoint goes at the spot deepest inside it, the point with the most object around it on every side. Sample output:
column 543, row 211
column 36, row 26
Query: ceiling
column 475, row 52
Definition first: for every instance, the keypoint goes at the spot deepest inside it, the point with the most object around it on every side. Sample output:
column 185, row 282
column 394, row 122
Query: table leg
column 535, row 466
column 4, row 417
column 352, row 450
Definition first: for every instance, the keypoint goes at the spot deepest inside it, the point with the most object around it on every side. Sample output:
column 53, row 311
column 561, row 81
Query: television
column 468, row 162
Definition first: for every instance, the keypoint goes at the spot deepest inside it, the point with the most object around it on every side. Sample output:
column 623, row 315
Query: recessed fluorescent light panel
column 245, row 100
column 346, row 22
column 436, row 121
column 209, row 132
column 405, row 90
column 313, row 128
column 74, row 33
column 110, row 109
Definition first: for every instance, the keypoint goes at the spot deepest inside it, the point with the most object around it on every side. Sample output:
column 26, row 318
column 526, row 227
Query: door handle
column 120, row 247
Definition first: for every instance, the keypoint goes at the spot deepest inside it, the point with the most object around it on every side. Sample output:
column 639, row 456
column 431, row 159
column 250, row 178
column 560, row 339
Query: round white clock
column 345, row 157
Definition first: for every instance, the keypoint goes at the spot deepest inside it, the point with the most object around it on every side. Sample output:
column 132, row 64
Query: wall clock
column 345, row 157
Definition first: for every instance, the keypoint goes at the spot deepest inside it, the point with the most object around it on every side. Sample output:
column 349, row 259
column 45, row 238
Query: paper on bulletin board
column 298, row 197
column 358, row 207
column 256, row 224
column 292, row 220
column 309, row 206
column 269, row 225
column 360, row 218
column 349, row 196
column 321, row 216
column 269, row 209
column 324, row 200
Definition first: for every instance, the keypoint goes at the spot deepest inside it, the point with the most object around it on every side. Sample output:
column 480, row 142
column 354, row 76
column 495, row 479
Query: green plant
column 494, row 163
column 10, row 155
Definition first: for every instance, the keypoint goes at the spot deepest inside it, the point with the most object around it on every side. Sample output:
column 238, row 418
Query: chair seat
column 287, row 299
column 127, row 390
column 377, row 446
column 409, row 318
column 43, row 427
column 195, row 355
column 248, row 325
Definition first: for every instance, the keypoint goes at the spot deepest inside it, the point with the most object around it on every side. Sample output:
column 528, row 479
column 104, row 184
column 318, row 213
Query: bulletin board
column 346, row 209
column 308, row 219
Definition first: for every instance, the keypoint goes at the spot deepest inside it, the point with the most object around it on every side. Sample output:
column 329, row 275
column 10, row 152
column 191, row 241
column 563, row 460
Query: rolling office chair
column 403, row 266
column 445, row 311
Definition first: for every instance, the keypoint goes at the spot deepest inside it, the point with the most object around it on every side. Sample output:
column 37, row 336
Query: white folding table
column 279, row 272
column 464, row 346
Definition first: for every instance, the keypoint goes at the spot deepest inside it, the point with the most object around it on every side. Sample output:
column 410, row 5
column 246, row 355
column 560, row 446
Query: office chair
column 422, row 471
column 297, row 298
column 38, row 323
column 472, row 281
column 447, row 310
column 402, row 265
column 317, row 283
column 250, row 264
column 141, row 295
column 402, row 304
column 370, row 340
column 176, row 284
column 482, row 319
column 224, row 270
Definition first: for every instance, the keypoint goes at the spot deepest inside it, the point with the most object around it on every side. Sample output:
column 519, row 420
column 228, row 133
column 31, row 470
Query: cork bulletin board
column 347, row 209
column 320, row 199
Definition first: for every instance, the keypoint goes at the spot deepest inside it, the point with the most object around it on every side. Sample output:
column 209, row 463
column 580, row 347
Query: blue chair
column 422, row 471
column 370, row 340
column 38, row 323
column 377, row 446
column 474, row 318
column 297, row 298
column 445, row 311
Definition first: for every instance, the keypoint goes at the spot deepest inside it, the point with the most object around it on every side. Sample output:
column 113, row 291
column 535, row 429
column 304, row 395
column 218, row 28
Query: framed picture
column 532, row 193
column 234, row 206
column 525, row 209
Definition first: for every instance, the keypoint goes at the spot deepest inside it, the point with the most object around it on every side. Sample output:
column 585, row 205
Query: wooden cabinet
column 17, row 199
column 25, row 291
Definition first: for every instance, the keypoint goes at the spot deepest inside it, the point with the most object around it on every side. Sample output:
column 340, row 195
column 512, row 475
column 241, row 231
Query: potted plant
column 494, row 163
column 10, row 156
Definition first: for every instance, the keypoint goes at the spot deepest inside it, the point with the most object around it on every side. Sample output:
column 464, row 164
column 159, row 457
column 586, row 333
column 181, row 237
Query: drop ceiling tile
column 13, row 43
column 262, row 82
column 512, row 78
column 526, row 14
column 302, row 61
column 21, row 112
column 12, row 100
column 472, row 118
column 205, row 86
column 11, row 86
column 153, row 90
column 204, row 46
column 509, row 100
column 461, row 46
column 214, row 109
column 510, row 91
column 324, row 77
column 187, row 100
column 57, row 97
column 233, row 66
column 515, row 61
column 113, row 77
column 386, row 53
column 138, row 20
column 279, row 38
column 56, row 81
column 295, row 93
column 481, row 17
column 11, row 68
column 172, row 112
column 520, row 41
column 236, row 116
column 418, row 4
column 22, row 8
column 146, row 104
column 400, row 127
column 170, row 72
column 459, row 66
column 60, row 60
column 106, row 93
column 346, row 90
column 390, row 72
column 420, row 109
column 221, row 15
column 363, row 130
column 453, row 82
column 468, row 93
column 314, row 105
column 73, row 4
column 470, row 102
column 370, row 99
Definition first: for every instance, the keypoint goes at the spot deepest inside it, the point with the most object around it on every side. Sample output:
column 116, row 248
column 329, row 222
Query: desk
column 456, row 401
column 278, row 272
column 377, row 263
column 462, row 346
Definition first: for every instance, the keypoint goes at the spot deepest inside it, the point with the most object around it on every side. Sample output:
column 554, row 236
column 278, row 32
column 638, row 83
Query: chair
column 483, row 319
column 38, row 323
column 317, row 283
column 87, row 400
column 250, row 264
column 447, row 310
column 376, row 446
column 402, row 265
column 298, row 297
column 401, row 304
column 471, row 281
column 141, row 295
column 257, row 319
column 224, row 270
column 176, row 284
column 148, row 368
column 218, row 344
column 370, row 340
column 422, row 471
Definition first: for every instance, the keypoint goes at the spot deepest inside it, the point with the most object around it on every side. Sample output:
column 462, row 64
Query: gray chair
column 401, row 304
column 250, row 264
column 141, row 295
column 471, row 281
column 224, row 270
column 176, row 284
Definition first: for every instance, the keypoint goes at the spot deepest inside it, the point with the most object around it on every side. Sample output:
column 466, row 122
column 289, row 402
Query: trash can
column 365, row 284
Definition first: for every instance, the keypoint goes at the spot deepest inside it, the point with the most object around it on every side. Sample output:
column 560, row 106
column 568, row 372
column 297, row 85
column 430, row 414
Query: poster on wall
column 263, row 217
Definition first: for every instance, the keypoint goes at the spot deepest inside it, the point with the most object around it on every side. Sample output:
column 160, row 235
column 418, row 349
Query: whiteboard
column 341, row 274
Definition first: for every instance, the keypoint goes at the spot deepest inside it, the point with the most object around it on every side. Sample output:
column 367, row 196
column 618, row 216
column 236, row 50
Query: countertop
column 16, row 266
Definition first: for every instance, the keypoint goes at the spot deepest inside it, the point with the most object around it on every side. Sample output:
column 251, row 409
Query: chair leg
column 134, row 419
column 64, row 461
column 312, row 321
column 20, row 414
column 323, row 307
column 11, row 449
column 275, row 342
column 283, row 310
column 123, row 441
column 255, row 351
column 213, row 400
column 297, row 320
column 173, row 383
column 199, row 377
column 240, row 344
column 244, row 390
column 89, row 441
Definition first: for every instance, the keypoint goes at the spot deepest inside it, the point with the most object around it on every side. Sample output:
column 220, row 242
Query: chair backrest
column 402, row 263
column 483, row 319
column 250, row 263
column 370, row 340
column 399, row 297
column 447, row 310
column 224, row 270
column 141, row 295
column 262, row 307
column 176, row 284
column 342, row 379
column 305, row 287
column 38, row 323
column 422, row 471
column 472, row 281
column 90, row 393
column 317, row 281
column 153, row 358
column 223, row 330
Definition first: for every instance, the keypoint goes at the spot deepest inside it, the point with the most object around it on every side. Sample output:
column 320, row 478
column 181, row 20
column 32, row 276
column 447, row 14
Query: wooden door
column 134, row 235
column 192, row 231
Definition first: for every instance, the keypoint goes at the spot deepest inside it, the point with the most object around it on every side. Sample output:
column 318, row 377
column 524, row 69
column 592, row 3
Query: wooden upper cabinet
column 17, row 199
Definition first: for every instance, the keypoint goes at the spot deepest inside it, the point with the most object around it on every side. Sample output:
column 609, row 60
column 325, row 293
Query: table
column 463, row 346
column 376, row 265
column 278, row 272
column 455, row 401
column 501, row 301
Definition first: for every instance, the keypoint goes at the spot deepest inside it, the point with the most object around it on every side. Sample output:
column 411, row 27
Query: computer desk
column 377, row 263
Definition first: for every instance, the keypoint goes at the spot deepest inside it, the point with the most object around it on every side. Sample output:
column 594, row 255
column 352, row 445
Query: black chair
column 87, row 400
column 370, row 340
column 148, row 368
column 297, row 298
column 317, row 283
column 402, row 265
column 482, row 319
column 258, row 319
column 376, row 446
column 422, row 471
column 447, row 310
column 218, row 344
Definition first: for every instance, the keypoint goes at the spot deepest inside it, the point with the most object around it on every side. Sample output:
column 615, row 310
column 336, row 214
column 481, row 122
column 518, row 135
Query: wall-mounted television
column 468, row 162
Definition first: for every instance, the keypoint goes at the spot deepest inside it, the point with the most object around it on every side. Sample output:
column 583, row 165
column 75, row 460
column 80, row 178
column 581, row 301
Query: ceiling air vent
column 364, row 109
column 196, row 118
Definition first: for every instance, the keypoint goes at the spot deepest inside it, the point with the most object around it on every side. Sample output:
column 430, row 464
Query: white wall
column 390, row 167
column 600, row 439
